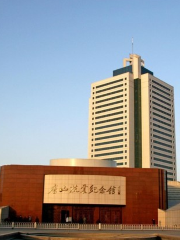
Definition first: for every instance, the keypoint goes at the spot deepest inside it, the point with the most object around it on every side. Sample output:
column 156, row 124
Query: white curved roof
column 77, row 162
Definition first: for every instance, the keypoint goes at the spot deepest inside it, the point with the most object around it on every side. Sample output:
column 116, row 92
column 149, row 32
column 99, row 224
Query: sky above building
column 50, row 53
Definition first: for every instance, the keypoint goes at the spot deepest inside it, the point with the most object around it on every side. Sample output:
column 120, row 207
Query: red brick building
column 22, row 189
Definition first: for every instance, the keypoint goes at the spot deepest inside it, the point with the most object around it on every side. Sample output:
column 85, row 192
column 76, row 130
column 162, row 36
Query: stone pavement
column 46, row 234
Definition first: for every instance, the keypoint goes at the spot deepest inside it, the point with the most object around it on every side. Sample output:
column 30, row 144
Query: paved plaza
column 7, row 234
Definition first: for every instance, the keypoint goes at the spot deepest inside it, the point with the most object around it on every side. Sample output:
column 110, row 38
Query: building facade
column 83, row 193
column 131, row 119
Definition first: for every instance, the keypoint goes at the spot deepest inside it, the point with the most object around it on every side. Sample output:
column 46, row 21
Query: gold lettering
column 53, row 189
column 102, row 190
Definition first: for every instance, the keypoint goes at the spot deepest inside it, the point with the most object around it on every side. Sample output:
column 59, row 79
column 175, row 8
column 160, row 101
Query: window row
column 161, row 85
column 109, row 83
column 107, row 94
column 164, row 161
column 170, row 179
column 105, row 143
column 113, row 130
column 115, row 158
column 159, row 126
column 106, row 154
column 159, row 110
column 109, row 99
column 107, row 148
column 160, row 90
column 109, row 109
column 163, row 144
column 109, row 120
column 111, row 125
column 160, row 105
column 110, row 88
column 162, row 155
column 161, row 101
column 160, row 116
column 163, row 133
column 119, row 164
column 164, row 139
column 162, row 149
column 109, row 104
column 111, row 136
column 162, row 166
column 157, row 120
column 160, row 95
column 109, row 115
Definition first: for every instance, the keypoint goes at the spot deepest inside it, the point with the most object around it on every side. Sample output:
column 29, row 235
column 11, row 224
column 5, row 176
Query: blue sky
column 50, row 53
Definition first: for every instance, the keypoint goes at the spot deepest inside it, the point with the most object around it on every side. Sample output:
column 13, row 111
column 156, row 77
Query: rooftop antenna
column 132, row 45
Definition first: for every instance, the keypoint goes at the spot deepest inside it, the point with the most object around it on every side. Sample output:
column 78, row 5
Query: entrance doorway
column 110, row 215
column 64, row 215
column 83, row 214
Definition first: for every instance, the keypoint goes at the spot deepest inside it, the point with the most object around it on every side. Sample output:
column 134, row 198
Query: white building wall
column 170, row 217
column 111, row 114
column 4, row 213
column 158, row 129
column 162, row 126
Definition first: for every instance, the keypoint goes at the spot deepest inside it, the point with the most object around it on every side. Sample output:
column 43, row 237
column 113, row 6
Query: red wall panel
column 21, row 188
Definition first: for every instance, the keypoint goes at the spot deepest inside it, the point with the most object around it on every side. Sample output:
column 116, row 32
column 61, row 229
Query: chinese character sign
column 85, row 189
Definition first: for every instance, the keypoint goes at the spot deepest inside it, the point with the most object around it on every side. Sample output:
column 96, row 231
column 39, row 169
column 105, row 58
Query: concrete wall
column 4, row 213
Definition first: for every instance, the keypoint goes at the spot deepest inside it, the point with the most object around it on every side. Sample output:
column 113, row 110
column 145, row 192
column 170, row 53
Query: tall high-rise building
column 131, row 119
